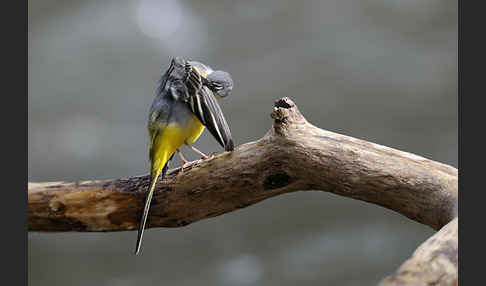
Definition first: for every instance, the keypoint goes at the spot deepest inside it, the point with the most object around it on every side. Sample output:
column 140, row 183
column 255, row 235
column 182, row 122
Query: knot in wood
column 282, row 108
column 276, row 181
column 285, row 114
column 284, row 102
column 56, row 207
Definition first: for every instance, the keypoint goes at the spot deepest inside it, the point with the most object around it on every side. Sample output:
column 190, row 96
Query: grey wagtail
column 185, row 103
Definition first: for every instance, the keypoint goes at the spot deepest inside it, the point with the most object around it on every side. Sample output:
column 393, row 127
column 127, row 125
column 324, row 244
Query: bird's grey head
column 220, row 82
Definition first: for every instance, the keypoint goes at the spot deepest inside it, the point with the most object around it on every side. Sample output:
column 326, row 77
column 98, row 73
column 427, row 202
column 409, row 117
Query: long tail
column 146, row 209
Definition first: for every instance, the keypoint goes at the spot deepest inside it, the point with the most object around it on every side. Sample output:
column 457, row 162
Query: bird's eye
column 217, row 86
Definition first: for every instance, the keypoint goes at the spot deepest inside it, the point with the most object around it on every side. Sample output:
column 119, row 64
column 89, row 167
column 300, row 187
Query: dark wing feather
column 215, row 121
column 204, row 105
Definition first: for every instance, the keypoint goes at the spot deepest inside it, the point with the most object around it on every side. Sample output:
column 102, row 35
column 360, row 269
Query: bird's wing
column 204, row 105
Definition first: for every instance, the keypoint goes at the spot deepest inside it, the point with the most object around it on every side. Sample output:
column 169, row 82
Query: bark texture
column 433, row 263
column 293, row 156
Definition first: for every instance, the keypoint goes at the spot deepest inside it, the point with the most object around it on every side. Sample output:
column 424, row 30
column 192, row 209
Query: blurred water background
column 384, row 71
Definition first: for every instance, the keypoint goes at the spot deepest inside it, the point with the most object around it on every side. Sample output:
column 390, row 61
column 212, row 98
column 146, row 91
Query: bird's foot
column 208, row 157
column 187, row 164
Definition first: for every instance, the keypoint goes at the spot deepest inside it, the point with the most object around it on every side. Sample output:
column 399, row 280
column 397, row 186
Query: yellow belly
column 195, row 129
column 170, row 139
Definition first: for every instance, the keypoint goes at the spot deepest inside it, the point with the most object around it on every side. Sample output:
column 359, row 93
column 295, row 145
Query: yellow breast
column 170, row 139
column 175, row 136
column 194, row 129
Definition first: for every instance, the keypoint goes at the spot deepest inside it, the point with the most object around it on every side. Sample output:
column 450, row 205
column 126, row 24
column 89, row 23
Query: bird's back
column 162, row 104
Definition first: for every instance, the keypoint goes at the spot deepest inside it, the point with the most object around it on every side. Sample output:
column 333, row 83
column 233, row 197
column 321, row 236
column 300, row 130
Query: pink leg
column 203, row 156
column 185, row 162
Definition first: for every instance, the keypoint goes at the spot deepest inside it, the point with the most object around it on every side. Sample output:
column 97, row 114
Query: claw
column 209, row 156
column 204, row 158
column 187, row 164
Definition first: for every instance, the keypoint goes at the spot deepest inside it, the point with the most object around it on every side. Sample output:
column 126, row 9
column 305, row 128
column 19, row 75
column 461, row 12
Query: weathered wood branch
column 293, row 156
column 433, row 263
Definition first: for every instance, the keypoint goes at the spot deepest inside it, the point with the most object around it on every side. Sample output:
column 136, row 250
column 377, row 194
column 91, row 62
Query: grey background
column 384, row 71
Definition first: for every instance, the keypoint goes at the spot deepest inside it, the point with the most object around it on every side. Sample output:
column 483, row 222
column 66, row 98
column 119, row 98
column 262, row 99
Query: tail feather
column 148, row 201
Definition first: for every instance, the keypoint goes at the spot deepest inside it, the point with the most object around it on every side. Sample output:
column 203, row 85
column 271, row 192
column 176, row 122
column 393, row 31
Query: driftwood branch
column 293, row 156
column 433, row 263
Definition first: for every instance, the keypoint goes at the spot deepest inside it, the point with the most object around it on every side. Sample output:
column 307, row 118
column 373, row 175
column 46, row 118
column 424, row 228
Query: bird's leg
column 182, row 157
column 185, row 163
column 203, row 156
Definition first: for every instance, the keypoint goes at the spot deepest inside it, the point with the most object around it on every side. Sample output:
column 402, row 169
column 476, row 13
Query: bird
column 185, row 104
